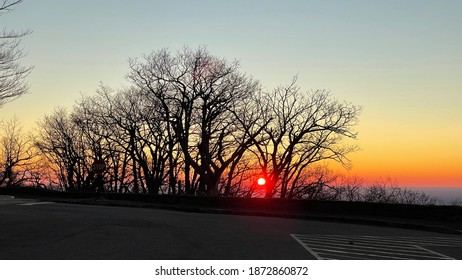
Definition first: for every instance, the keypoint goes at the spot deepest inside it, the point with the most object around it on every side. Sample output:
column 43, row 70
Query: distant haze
column 445, row 195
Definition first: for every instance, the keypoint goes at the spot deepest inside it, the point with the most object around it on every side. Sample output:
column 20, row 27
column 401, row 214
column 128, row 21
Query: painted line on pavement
column 306, row 247
column 36, row 203
column 374, row 247
column 433, row 252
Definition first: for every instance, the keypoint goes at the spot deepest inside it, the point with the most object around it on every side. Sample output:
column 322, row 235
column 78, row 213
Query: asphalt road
column 32, row 229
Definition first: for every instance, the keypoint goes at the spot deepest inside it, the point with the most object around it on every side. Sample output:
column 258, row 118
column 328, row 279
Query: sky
column 400, row 60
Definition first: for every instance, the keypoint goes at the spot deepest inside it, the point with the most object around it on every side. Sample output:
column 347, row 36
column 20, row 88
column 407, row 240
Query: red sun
column 261, row 181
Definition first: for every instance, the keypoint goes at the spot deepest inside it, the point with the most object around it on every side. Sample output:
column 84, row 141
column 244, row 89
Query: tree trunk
column 211, row 183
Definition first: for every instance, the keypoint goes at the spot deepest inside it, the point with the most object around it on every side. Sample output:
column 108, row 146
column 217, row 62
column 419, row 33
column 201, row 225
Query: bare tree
column 94, row 116
column 240, row 179
column 12, row 73
column 62, row 142
column 129, row 128
column 16, row 155
column 305, row 128
column 350, row 188
column 202, row 98
column 316, row 183
column 385, row 190
column 146, row 138
column 380, row 190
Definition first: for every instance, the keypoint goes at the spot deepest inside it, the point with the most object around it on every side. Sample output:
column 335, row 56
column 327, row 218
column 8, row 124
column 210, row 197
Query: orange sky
column 415, row 154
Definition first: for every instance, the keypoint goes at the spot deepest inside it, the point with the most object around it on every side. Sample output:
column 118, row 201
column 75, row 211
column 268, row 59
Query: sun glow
column 261, row 181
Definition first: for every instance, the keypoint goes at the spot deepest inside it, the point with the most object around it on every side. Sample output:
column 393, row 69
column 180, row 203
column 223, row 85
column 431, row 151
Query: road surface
column 33, row 229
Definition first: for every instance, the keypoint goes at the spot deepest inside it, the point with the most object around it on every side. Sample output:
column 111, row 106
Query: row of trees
column 190, row 123
column 22, row 164
column 193, row 123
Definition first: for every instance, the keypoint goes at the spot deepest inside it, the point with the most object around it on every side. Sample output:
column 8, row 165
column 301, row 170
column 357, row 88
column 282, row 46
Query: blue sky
column 400, row 60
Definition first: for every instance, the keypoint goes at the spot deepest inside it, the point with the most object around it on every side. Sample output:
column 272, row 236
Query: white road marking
column 36, row 203
column 431, row 251
column 408, row 251
column 365, row 254
column 306, row 247
column 374, row 247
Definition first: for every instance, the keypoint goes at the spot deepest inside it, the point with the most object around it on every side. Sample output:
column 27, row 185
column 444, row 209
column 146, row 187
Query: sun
column 261, row 181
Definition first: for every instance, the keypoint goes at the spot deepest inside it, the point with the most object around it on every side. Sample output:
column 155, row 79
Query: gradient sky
column 400, row 60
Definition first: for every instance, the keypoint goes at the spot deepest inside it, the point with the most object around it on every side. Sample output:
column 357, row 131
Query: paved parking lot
column 39, row 229
column 358, row 247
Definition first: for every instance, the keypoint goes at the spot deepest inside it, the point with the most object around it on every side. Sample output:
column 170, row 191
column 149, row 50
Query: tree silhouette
column 61, row 141
column 16, row 155
column 304, row 128
column 203, row 98
column 192, row 123
column 12, row 73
